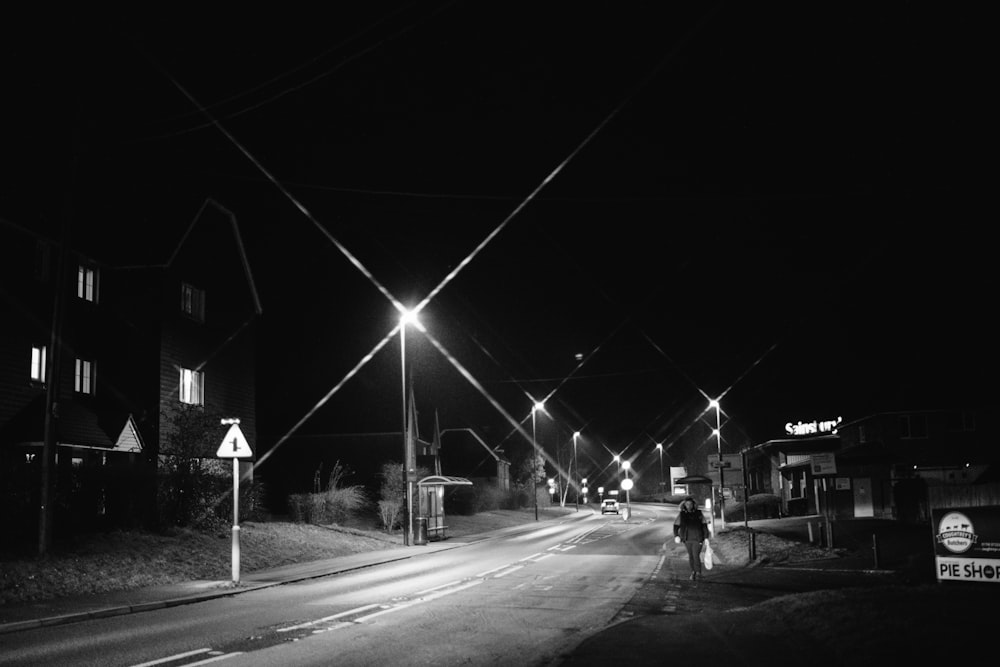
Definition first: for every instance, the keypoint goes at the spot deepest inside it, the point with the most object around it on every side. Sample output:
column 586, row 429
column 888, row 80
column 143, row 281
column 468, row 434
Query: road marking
column 434, row 596
column 224, row 656
column 514, row 568
column 172, row 658
column 325, row 619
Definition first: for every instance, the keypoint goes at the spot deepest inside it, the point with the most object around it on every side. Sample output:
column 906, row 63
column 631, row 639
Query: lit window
column 38, row 364
column 192, row 389
column 86, row 283
column 83, row 377
column 193, row 302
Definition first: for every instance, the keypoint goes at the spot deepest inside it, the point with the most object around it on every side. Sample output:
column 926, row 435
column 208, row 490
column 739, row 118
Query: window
column 38, row 363
column 961, row 421
column 86, row 283
column 83, row 377
column 912, row 426
column 192, row 389
column 193, row 302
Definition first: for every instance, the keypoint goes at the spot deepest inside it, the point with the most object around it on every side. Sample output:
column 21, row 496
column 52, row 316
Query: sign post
column 235, row 446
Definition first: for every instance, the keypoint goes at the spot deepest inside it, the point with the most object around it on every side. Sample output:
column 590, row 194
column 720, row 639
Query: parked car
column 609, row 505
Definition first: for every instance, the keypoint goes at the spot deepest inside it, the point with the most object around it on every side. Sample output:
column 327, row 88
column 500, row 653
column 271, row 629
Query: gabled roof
column 236, row 237
column 75, row 425
column 129, row 439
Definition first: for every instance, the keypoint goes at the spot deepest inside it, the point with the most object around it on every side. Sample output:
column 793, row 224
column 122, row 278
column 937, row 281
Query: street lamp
column 627, row 485
column 659, row 448
column 538, row 405
column 718, row 439
column 576, row 467
column 406, row 317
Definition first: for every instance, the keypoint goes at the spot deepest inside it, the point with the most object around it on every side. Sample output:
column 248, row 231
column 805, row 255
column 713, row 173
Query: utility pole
column 47, row 495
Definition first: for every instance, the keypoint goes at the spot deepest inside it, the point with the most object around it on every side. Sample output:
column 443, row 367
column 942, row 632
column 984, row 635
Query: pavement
column 668, row 609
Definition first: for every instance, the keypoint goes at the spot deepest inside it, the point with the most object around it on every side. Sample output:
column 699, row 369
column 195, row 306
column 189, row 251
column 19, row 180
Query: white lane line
column 224, row 656
column 542, row 557
column 435, row 596
column 349, row 612
column 514, row 568
column 172, row 658
column 531, row 557
column 435, row 588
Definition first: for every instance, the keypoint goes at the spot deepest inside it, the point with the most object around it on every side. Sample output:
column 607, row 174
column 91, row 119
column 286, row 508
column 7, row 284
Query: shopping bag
column 706, row 555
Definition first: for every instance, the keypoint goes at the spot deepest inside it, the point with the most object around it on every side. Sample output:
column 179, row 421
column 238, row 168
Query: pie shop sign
column 967, row 543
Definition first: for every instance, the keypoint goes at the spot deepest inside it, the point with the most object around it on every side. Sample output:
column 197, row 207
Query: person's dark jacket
column 690, row 525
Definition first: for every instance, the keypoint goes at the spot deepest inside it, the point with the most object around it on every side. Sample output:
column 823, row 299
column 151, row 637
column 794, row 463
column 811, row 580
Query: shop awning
column 444, row 480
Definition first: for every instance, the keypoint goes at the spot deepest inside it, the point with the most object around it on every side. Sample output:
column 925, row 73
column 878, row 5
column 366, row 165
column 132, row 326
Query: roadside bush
column 327, row 507
column 335, row 505
column 392, row 490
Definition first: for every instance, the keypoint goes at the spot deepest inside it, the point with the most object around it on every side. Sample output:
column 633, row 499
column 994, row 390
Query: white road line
column 429, row 590
column 172, row 658
column 224, row 656
column 349, row 612
column 515, row 568
column 397, row 607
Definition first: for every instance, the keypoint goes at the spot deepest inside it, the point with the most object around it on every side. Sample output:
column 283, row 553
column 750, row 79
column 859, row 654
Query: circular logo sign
column 955, row 532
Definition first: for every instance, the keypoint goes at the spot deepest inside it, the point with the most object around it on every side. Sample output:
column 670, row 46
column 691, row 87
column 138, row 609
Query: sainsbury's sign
column 813, row 427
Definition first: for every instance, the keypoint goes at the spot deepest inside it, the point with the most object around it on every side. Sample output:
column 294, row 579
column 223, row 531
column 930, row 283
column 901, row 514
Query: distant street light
column 659, row 448
column 576, row 467
column 627, row 485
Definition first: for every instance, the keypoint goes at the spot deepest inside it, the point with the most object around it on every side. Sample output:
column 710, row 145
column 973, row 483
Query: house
column 112, row 349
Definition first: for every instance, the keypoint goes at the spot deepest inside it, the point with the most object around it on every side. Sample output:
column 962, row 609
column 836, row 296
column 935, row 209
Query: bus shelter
column 431, row 524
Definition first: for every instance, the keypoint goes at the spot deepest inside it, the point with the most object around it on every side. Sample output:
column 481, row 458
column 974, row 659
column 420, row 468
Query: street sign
column 729, row 462
column 234, row 445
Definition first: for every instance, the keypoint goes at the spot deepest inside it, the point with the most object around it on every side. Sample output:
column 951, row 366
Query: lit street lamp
column 538, row 405
column 576, row 436
column 659, row 448
column 718, row 439
column 406, row 317
column 627, row 485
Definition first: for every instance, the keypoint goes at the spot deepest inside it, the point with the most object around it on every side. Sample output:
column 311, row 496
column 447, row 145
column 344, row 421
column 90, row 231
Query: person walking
column 691, row 528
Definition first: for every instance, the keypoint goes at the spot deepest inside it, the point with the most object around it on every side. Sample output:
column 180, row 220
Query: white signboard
column 823, row 464
column 234, row 445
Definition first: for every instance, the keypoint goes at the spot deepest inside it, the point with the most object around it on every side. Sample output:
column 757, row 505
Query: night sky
column 772, row 205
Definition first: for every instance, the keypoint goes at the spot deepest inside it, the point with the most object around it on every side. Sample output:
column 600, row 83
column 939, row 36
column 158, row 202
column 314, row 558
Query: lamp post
column 627, row 485
column 718, row 439
column 538, row 405
column 659, row 448
column 576, row 467
column 406, row 317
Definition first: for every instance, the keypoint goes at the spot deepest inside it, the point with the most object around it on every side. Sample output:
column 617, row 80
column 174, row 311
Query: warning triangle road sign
column 234, row 445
